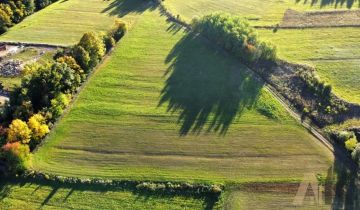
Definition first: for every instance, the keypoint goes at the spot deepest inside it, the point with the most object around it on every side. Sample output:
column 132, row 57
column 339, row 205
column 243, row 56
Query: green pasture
column 29, row 196
column 334, row 52
column 64, row 22
column 259, row 12
column 166, row 105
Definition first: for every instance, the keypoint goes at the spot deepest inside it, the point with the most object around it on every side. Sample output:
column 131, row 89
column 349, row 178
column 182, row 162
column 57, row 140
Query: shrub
column 82, row 57
column 343, row 136
column 58, row 105
column 38, row 126
column 118, row 31
column 93, row 44
column 109, row 42
column 19, row 132
column 30, row 68
column 351, row 144
column 17, row 156
column 71, row 62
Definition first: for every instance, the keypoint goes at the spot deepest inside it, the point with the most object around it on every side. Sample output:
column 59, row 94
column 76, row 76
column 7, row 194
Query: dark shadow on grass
column 205, row 87
column 69, row 194
column 52, row 193
column 6, row 185
column 4, row 190
column 336, row 3
column 347, row 187
column 122, row 8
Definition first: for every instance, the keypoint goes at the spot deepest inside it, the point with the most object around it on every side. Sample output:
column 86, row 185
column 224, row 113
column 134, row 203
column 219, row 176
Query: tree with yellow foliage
column 19, row 131
column 38, row 126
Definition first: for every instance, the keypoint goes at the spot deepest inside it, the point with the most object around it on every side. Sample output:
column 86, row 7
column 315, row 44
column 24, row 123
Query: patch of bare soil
column 335, row 18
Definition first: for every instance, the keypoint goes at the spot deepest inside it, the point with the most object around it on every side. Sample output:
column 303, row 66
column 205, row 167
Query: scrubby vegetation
column 45, row 92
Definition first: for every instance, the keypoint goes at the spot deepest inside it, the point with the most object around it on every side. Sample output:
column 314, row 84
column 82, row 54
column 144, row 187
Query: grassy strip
column 22, row 194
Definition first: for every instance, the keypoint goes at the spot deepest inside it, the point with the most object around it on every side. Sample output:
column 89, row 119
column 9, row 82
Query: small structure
column 2, row 47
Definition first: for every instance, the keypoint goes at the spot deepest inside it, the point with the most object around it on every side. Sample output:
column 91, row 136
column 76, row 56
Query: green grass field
column 335, row 52
column 29, row 196
column 64, row 22
column 260, row 12
column 134, row 118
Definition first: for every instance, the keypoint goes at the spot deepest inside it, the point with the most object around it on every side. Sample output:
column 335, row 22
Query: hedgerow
column 170, row 188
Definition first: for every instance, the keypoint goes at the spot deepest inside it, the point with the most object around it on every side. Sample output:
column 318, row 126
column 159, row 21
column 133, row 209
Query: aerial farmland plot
column 168, row 119
column 69, row 21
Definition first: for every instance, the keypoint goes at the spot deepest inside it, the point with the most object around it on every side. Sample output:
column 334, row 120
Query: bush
column 71, row 62
column 109, row 42
column 343, row 136
column 94, row 45
column 30, row 68
column 351, row 144
column 118, row 31
column 38, row 126
column 17, row 156
column 82, row 57
column 58, row 105
column 19, row 132
column 236, row 36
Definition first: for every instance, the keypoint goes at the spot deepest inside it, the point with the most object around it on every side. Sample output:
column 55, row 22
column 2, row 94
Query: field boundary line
column 307, row 27
column 30, row 44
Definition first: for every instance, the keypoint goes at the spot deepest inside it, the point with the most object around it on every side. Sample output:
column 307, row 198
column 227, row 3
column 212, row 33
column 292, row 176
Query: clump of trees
column 235, row 34
column 14, row 11
column 349, row 141
column 45, row 92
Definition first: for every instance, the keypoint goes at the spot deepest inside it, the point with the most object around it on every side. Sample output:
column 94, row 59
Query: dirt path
column 316, row 132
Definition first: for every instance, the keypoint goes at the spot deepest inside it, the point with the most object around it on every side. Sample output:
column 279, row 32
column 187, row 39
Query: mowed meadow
column 28, row 196
column 167, row 106
column 259, row 12
column 332, row 51
column 65, row 21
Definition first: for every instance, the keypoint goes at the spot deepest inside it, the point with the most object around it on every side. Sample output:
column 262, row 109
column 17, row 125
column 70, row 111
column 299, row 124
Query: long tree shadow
column 336, row 3
column 347, row 186
column 122, row 8
column 205, row 87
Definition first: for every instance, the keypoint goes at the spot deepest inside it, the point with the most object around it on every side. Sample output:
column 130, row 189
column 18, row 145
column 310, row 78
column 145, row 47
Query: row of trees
column 235, row 34
column 44, row 94
column 14, row 11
